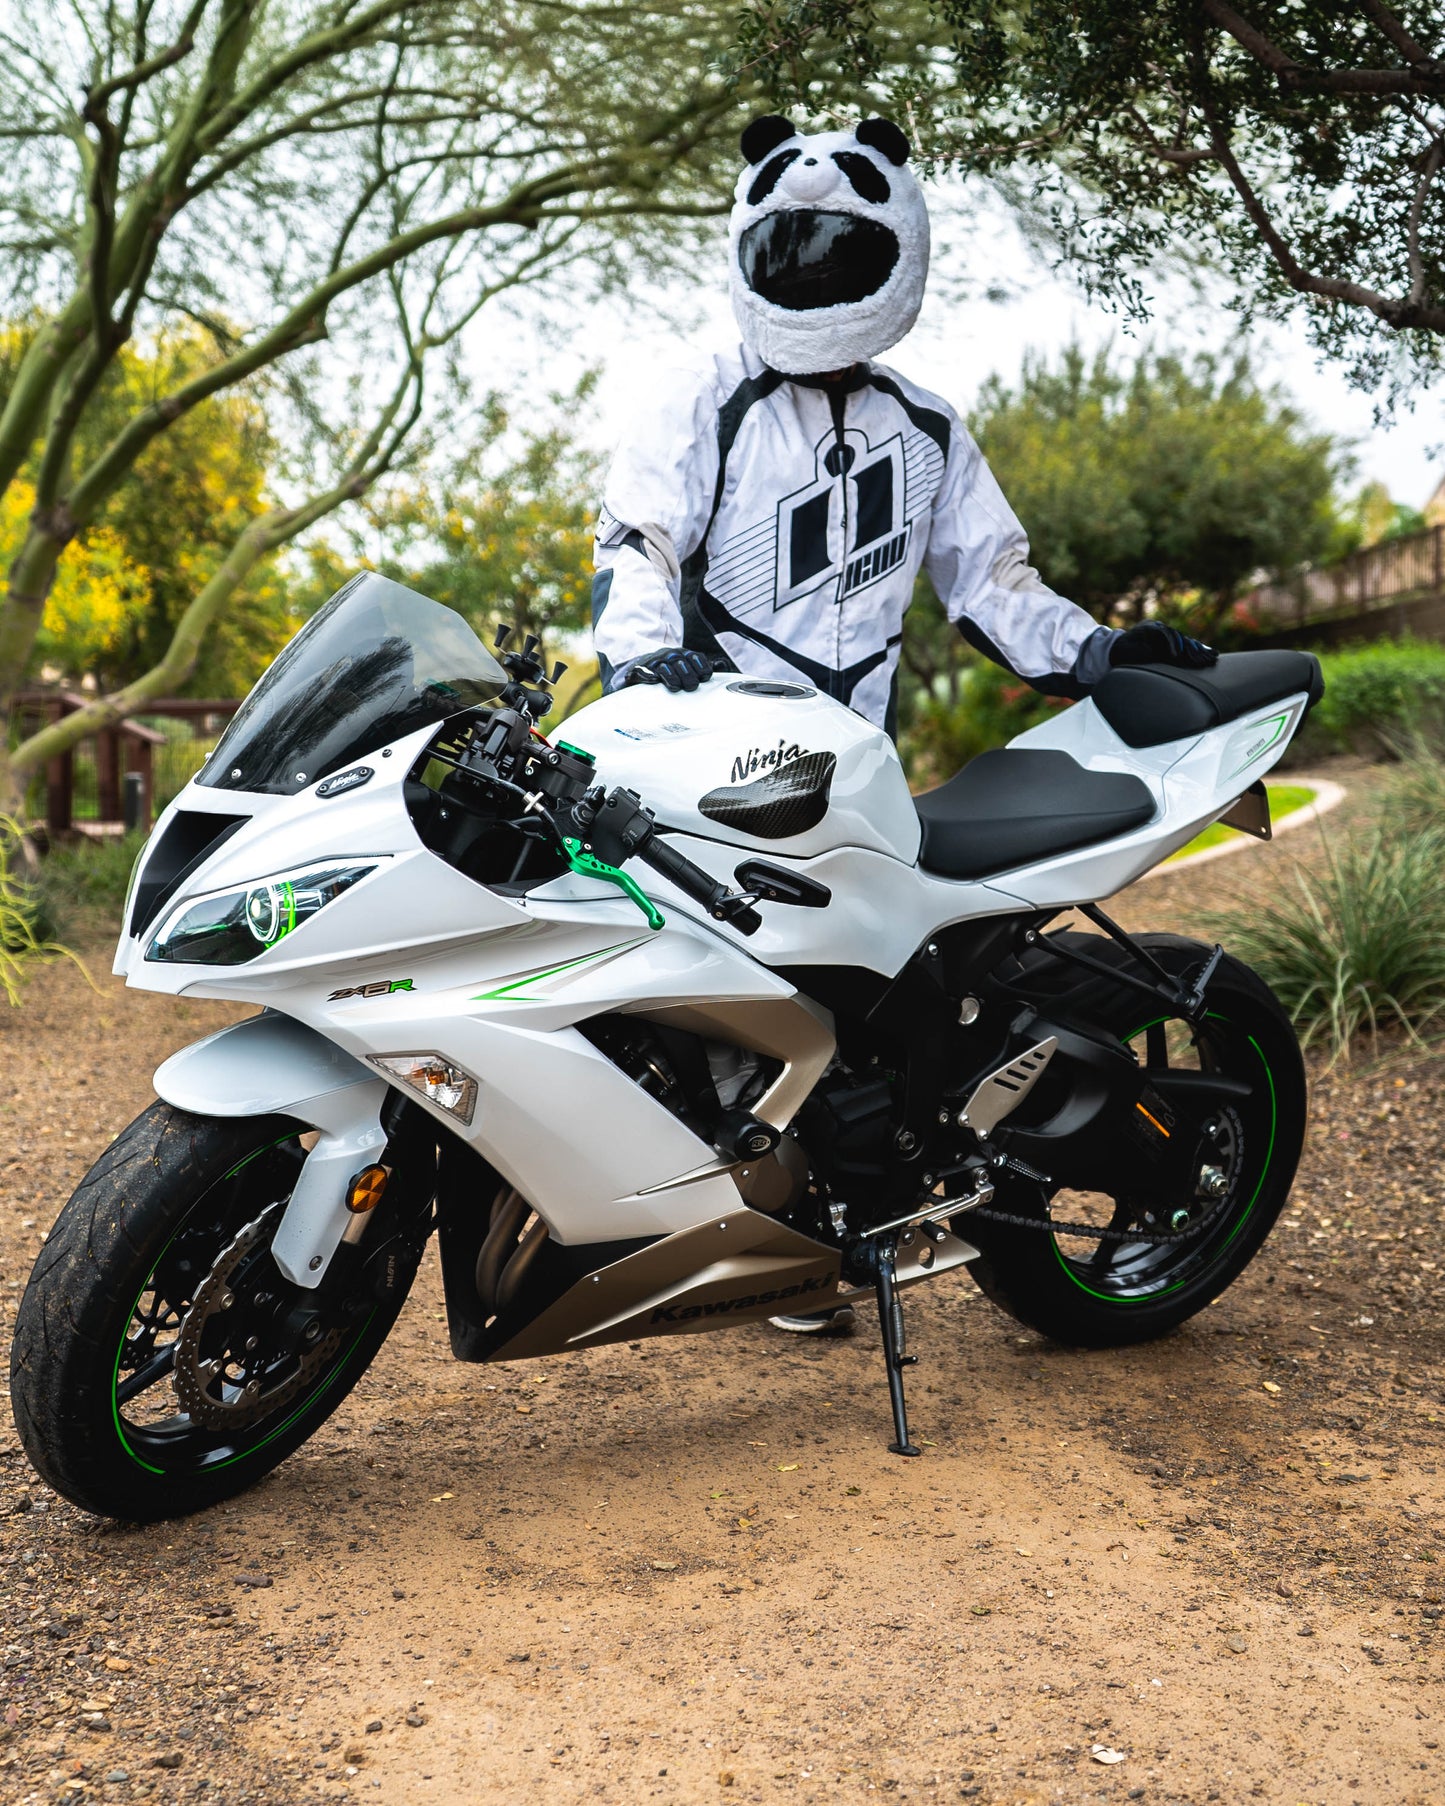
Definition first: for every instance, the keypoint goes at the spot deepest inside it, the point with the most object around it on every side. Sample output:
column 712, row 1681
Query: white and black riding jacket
column 778, row 523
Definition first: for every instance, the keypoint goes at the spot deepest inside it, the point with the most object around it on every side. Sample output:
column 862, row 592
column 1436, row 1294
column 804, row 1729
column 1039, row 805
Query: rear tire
column 1116, row 1294
column 105, row 1305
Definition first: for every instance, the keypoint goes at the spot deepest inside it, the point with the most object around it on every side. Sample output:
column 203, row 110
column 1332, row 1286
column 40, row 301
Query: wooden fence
column 85, row 788
column 1399, row 571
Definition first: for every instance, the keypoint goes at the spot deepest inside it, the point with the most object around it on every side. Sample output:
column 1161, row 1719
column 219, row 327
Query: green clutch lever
column 591, row 867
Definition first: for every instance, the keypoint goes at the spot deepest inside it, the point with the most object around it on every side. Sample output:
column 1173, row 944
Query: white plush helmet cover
column 860, row 173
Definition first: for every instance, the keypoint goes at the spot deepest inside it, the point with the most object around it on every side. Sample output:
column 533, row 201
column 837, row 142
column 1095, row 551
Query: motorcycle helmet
column 828, row 246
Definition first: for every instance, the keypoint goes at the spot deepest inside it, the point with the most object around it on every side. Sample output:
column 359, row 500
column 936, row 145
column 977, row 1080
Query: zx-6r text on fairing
column 691, row 1018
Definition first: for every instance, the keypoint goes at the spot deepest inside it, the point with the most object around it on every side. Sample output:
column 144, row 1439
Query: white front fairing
column 497, row 984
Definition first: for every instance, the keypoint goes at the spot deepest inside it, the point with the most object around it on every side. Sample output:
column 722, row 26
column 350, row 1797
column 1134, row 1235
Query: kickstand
column 890, row 1321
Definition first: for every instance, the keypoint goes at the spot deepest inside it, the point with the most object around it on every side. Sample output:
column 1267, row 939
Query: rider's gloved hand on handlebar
column 1152, row 643
column 673, row 666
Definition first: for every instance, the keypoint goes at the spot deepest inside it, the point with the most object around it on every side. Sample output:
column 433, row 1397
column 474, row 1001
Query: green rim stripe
column 1112, row 1298
column 115, row 1372
column 533, row 978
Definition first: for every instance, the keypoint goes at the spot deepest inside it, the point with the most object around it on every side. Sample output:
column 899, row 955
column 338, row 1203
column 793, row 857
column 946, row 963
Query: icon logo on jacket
column 867, row 503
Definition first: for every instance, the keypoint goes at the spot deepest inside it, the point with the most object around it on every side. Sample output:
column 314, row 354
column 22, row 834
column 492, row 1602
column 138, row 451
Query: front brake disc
column 232, row 1388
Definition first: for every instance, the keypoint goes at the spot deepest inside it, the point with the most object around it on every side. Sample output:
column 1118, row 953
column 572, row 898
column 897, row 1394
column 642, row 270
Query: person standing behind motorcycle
column 769, row 512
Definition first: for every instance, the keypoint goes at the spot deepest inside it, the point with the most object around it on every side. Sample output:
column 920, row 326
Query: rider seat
column 1147, row 705
column 1014, row 806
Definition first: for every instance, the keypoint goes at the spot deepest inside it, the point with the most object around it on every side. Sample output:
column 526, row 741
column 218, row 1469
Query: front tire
column 1110, row 1294
column 100, row 1366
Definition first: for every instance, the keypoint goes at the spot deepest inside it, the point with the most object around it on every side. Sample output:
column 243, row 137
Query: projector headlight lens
column 241, row 925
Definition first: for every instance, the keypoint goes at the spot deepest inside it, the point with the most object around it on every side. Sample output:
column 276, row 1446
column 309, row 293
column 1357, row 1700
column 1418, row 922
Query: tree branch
column 1401, row 314
column 1425, row 79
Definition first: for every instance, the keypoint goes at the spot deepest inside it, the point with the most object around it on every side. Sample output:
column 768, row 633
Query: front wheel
column 1122, row 1288
column 161, row 1361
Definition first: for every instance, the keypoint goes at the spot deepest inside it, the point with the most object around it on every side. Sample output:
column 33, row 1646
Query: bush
column 995, row 706
column 1379, row 695
column 1358, row 948
column 89, row 877
column 24, row 930
column 1414, row 801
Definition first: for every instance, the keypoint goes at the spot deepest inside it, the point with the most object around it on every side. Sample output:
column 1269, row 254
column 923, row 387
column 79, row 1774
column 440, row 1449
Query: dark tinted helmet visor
column 801, row 258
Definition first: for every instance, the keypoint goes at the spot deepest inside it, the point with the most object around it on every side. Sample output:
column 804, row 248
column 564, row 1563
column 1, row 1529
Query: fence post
column 1439, row 540
column 59, row 783
column 133, row 801
column 107, row 774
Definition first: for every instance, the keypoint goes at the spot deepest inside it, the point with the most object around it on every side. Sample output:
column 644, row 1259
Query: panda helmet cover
column 828, row 244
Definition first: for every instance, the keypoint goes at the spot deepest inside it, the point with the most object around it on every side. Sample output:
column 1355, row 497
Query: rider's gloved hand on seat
column 1152, row 643
column 673, row 666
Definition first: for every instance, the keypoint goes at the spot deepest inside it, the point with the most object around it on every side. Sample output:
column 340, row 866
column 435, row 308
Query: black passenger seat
column 1147, row 705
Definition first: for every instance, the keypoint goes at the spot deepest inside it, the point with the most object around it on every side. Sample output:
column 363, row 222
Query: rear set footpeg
column 997, row 1096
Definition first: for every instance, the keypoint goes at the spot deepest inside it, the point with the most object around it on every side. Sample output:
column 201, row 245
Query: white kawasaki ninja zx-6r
column 693, row 1017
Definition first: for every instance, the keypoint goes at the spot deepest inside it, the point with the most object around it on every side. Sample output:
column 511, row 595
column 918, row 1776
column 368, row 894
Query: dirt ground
column 1211, row 1569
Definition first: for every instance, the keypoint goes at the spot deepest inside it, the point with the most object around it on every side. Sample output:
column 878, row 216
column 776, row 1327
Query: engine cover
column 754, row 762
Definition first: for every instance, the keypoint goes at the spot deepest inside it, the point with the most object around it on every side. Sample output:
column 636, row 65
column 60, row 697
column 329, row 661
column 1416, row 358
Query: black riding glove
column 1152, row 643
column 674, row 666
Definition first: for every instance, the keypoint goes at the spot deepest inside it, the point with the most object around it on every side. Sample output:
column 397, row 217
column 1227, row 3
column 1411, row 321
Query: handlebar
column 719, row 902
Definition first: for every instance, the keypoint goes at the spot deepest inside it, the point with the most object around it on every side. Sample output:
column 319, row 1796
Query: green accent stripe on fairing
column 534, row 978
column 1281, row 722
column 1113, row 1298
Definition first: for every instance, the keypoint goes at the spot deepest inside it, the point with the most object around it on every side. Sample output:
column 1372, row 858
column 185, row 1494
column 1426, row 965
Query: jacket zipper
column 837, row 407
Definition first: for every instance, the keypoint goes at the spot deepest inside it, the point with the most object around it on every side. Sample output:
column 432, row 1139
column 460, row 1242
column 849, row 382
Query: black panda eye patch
column 766, row 179
column 867, row 178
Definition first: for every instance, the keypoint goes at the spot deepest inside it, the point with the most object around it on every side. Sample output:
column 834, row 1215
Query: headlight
column 239, row 925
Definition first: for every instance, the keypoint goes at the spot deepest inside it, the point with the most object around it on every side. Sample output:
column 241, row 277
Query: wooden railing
column 107, row 765
column 1412, row 566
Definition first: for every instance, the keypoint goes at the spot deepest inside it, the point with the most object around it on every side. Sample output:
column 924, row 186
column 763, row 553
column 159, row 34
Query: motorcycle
column 690, row 1018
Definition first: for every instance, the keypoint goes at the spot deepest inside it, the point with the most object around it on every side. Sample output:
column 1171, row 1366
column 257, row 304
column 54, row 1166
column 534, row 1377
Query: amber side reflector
column 365, row 1190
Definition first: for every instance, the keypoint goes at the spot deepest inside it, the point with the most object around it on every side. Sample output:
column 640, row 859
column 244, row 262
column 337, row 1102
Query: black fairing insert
column 779, row 804
column 190, row 836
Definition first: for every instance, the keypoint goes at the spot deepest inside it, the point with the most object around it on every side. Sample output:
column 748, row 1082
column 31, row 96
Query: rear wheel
column 1106, row 1292
column 161, row 1361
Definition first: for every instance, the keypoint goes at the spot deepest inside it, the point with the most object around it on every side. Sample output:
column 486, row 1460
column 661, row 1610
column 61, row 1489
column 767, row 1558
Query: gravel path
column 689, row 1570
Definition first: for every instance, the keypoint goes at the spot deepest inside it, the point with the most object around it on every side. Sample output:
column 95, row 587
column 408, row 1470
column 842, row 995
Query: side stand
column 890, row 1321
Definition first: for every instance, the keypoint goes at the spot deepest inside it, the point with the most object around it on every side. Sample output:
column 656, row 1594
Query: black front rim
column 152, row 1427
column 1125, row 1272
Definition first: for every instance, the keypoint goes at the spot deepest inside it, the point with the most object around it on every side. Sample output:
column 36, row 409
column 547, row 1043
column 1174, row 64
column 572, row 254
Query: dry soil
column 1210, row 1569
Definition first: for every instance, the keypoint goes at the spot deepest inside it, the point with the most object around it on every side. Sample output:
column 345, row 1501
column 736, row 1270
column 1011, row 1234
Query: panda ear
column 884, row 137
column 766, row 134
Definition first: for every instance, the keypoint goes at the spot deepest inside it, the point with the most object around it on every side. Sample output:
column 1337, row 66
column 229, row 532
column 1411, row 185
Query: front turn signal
column 365, row 1190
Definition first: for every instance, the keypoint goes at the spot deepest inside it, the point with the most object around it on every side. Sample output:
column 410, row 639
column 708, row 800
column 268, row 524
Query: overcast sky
column 958, row 343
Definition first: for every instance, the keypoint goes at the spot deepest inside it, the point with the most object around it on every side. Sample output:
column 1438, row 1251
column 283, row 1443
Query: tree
column 1295, row 144
column 1170, row 484
column 122, row 584
column 507, row 537
column 1163, row 488
column 322, row 194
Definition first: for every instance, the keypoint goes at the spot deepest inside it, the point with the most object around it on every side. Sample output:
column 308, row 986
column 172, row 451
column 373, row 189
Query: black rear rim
column 1128, row 1273
column 239, row 1360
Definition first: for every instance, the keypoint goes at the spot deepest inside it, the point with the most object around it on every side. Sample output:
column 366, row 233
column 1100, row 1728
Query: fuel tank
column 754, row 763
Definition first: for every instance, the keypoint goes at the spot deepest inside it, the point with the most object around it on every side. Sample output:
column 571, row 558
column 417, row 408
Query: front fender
column 270, row 1065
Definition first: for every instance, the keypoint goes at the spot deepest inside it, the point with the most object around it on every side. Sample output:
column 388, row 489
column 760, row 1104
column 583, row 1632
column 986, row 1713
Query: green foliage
column 87, row 878
column 1139, row 486
column 1357, row 948
column 501, row 533
column 1295, row 149
column 1415, row 799
column 1377, row 696
column 25, row 918
column 982, row 705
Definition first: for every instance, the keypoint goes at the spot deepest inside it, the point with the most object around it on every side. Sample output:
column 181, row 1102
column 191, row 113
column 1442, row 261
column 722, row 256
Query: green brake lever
column 592, row 867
